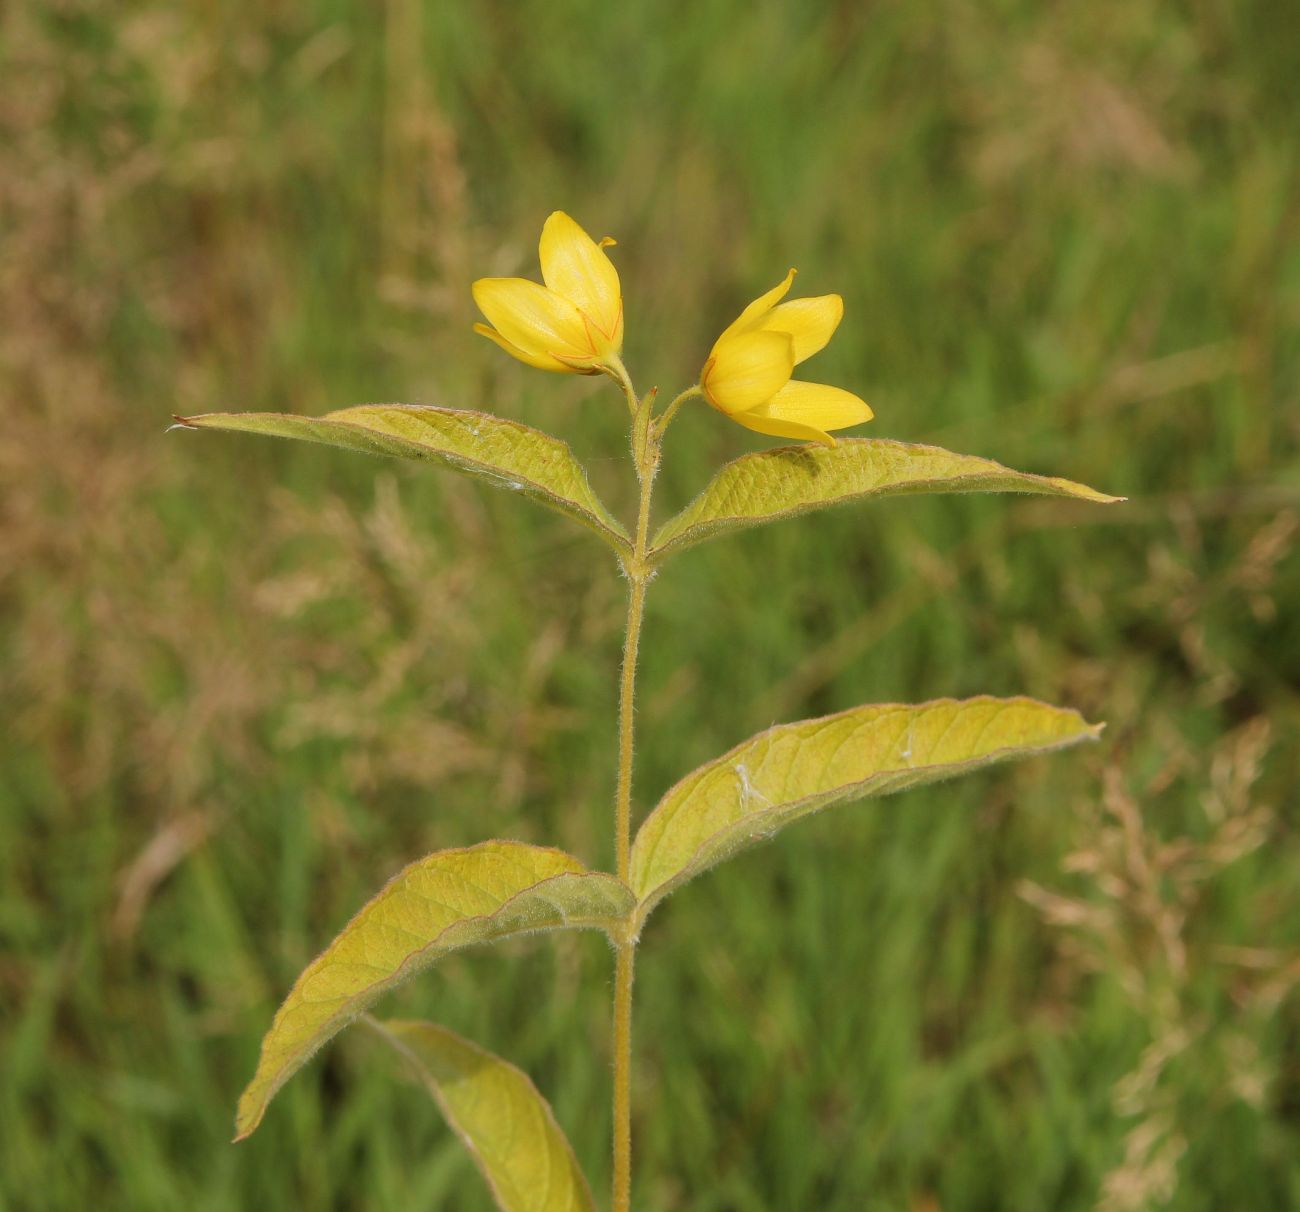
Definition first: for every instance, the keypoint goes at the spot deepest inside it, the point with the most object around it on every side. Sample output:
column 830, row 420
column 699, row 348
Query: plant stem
column 618, row 372
column 626, row 724
column 621, row 1198
column 665, row 418
column 645, row 449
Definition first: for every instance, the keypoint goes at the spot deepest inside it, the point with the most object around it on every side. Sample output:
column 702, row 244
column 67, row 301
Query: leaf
column 495, row 1109
column 791, row 480
column 792, row 770
column 452, row 899
column 497, row 451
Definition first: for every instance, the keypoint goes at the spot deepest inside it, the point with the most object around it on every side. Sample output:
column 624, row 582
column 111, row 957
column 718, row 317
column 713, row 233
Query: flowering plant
column 458, row 898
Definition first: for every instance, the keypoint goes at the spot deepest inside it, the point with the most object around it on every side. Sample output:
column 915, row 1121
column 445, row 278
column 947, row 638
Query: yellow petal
column 782, row 429
column 533, row 319
column 815, row 405
column 811, row 322
column 575, row 267
column 605, row 343
column 541, row 361
column 754, row 313
column 747, row 370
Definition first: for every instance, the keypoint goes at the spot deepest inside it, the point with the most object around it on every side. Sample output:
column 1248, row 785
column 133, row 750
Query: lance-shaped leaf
column 790, row 480
column 495, row 1109
column 489, row 448
column 452, row 899
column 792, row 770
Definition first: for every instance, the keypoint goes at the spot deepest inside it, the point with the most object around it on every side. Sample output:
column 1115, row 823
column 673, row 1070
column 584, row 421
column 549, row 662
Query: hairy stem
column 621, row 1199
column 618, row 372
column 626, row 725
column 645, row 450
column 666, row 417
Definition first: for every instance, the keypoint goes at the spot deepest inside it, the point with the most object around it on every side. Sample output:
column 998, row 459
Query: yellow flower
column 573, row 324
column 747, row 375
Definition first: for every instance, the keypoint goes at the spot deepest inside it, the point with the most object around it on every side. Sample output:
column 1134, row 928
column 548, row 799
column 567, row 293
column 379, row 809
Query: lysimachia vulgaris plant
column 460, row 898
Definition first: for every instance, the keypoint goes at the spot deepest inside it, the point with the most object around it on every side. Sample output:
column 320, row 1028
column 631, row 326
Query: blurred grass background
column 243, row 682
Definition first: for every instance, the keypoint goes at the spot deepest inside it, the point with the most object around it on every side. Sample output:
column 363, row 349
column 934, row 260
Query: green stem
column 645, row 448
column 618, row 372
column 626, row 725
column 621, row 1198
column 666, row 417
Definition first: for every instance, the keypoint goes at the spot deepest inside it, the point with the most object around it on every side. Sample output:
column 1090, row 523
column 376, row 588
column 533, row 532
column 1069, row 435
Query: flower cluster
column 574, row 324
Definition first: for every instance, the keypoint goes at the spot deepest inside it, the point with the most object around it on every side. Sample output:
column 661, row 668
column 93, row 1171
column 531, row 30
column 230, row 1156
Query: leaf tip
column 181, row 423
column 248, row 1116
column 1085, row 492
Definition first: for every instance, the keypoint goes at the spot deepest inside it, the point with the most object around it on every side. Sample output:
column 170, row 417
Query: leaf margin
column 393, row 1031
column 682, row 531
column 590, row 512
column 271, row 1075
column 796, row 810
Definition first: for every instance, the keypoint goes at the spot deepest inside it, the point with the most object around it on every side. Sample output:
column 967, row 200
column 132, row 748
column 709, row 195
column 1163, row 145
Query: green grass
column 1067, row 240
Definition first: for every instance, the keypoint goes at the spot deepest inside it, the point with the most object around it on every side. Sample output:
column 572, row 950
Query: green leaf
column 792, row 770
column 506, row 1125
column 791, row 480
column 452, row 899
column 497, row 451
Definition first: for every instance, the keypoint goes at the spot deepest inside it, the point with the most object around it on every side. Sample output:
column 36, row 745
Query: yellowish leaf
column 792, row 770
column 506, row 1125
column 452, row 899
column 792, row 480
column 491, row 449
